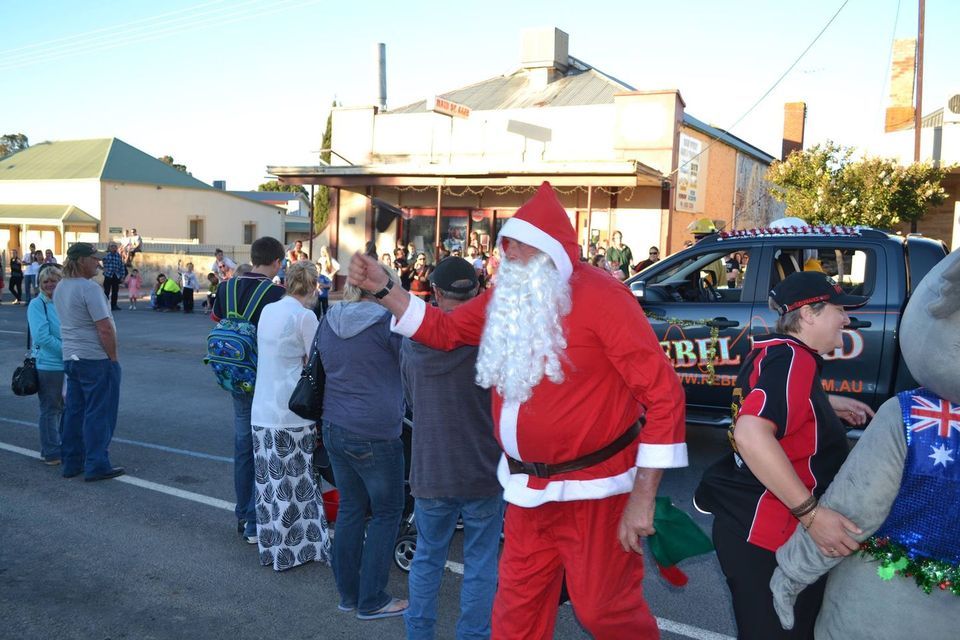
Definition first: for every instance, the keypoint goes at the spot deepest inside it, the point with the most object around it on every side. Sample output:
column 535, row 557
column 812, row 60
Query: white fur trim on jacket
column 508, row 429
column 662, row 456
column 516, row 491
column 412, row 318
column 535, row 237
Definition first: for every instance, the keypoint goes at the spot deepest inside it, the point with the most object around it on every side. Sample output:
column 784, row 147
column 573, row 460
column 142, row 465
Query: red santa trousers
column 604, row 581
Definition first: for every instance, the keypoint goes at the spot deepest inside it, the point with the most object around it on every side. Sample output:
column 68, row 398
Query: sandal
column 392, row 609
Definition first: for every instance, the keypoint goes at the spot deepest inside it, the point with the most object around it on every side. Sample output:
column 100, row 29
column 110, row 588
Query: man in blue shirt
column 114, row 272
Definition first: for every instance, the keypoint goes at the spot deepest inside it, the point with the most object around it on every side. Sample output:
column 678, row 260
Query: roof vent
column 544, row 48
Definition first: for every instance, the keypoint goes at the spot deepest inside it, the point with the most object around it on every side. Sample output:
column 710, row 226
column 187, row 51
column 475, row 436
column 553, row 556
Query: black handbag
column 26, row 382
column 307, row 398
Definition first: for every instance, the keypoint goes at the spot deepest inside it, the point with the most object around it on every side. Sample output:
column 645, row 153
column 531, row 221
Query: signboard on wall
column 691, row 175
column 450, row 108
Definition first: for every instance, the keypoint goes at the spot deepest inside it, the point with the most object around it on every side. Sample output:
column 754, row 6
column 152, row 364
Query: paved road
column 155, row 554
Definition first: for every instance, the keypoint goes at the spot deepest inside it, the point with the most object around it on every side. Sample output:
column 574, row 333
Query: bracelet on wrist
column 804, row 507
column 813, row 516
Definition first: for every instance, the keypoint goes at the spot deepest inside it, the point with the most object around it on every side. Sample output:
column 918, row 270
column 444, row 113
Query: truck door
column 859, row 266
column 710, row 289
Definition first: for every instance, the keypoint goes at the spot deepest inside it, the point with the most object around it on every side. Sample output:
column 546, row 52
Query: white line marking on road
column 178, row 493
column 16, row 333
column 690, row 631
column 669, row 626
column 20, row 450
column 140, row 482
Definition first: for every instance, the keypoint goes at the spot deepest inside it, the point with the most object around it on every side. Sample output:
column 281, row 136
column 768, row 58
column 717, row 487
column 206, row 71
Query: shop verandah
column 443, row 208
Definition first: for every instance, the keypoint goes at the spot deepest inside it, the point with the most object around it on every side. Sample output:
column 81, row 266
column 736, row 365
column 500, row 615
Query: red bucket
column 331, row 503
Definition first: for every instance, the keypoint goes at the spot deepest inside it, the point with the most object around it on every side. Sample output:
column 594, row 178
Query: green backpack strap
column 231, row 303
column 262, row 287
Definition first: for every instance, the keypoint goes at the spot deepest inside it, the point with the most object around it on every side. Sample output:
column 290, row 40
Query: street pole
column 918, row 112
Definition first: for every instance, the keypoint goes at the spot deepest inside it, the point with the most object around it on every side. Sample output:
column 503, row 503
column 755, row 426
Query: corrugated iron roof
column 581, row 85
column 103, row 158
column 45, row 213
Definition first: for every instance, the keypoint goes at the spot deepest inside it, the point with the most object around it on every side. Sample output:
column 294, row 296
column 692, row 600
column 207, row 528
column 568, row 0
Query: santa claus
column 588, row 413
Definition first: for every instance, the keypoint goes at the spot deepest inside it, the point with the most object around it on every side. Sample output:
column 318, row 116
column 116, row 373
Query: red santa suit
column 613, row 371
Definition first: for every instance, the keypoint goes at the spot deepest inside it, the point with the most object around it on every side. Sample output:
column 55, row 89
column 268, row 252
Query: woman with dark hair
column 788, row 444
column 16, row 276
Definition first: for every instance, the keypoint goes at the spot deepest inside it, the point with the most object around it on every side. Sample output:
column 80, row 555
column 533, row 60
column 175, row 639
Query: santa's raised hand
column 365, row 272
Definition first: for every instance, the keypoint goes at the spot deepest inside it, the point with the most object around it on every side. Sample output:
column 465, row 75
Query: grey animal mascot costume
column 901, row 485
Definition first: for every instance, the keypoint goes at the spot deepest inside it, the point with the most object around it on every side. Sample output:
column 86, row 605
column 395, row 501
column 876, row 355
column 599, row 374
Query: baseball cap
column 454, row 274
column 82, row 250
column 810, row 287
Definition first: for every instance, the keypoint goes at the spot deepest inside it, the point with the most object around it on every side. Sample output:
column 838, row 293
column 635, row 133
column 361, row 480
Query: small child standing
column 134, row 282
column 323, row 294
column 189, row 284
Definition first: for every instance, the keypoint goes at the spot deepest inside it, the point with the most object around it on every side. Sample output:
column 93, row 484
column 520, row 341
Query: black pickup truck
column 721, row 285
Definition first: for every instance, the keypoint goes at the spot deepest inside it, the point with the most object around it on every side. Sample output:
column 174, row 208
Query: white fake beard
column 523, row 339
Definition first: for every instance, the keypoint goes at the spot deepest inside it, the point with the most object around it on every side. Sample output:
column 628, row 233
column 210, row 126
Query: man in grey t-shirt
column 89, row 339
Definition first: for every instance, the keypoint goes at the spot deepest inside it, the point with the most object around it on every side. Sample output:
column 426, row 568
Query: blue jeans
column 369, row 473
column 90, row 415
column 243, row 480
column 436, row 520
column 50, row 394
column 29, row 287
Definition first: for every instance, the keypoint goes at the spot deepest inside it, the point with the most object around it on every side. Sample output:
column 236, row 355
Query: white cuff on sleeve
column 662, row 456
column 412, row 318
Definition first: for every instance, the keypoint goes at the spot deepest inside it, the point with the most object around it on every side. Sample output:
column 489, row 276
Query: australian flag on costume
column 925, row 517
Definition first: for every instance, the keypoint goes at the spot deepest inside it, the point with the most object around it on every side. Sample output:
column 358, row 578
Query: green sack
column 677, row 536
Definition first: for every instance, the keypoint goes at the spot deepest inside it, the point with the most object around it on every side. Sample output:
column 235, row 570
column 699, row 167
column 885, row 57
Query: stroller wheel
column 403, row 552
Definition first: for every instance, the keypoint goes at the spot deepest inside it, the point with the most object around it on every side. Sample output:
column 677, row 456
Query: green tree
column 826, row 185
column 169, row 160
column 13, row 142
column 274, row 185
column 321, row 199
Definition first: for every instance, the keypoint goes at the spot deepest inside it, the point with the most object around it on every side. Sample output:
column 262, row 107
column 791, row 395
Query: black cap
column 82, row 250
column 454, row 274
column 810, row 287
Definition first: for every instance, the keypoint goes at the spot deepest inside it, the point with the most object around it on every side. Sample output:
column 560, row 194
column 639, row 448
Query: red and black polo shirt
column 780, row 382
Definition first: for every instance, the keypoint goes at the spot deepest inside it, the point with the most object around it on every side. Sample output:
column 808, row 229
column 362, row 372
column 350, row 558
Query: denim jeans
column 369, row 473
column 50, row 394
column 90, row 415
column 29, row 287
column 436, row 520
column 243, row 480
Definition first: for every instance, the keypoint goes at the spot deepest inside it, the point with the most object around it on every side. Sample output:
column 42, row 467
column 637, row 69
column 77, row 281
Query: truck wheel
column 403, row 552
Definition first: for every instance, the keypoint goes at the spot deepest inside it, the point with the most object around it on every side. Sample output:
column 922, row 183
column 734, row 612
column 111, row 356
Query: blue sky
column 228, row 87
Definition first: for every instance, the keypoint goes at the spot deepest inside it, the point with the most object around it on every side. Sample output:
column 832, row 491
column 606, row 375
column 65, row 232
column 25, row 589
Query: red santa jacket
column 613, row 370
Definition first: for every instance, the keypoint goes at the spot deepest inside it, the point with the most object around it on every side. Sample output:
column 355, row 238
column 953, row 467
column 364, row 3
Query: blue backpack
column 232, row 345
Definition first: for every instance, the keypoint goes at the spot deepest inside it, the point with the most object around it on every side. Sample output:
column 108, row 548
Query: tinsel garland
column 926, row 572
column 711, row 354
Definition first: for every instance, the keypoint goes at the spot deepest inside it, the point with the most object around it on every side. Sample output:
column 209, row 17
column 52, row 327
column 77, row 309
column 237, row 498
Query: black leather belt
column 544, row 470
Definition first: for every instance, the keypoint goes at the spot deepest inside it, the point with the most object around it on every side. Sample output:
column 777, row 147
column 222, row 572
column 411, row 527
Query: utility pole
column 918, row 112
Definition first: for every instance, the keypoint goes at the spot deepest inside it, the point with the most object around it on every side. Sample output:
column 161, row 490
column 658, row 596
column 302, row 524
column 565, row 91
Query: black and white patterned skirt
column 291, row 526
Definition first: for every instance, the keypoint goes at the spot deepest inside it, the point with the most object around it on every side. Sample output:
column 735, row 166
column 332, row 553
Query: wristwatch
column 379, row 295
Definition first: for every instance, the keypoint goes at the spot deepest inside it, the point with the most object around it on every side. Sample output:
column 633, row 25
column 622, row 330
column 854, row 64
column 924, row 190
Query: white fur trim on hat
column 538, row 238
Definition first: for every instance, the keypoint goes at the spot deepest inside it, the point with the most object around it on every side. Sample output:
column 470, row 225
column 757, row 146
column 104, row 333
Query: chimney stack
column 902, row 79
column 381, row 54
column 794, row 119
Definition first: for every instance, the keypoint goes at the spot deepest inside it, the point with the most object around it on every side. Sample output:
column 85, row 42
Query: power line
column 177, row 26
column 767, row 92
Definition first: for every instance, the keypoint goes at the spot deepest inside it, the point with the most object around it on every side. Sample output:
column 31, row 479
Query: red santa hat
column 542, row 223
